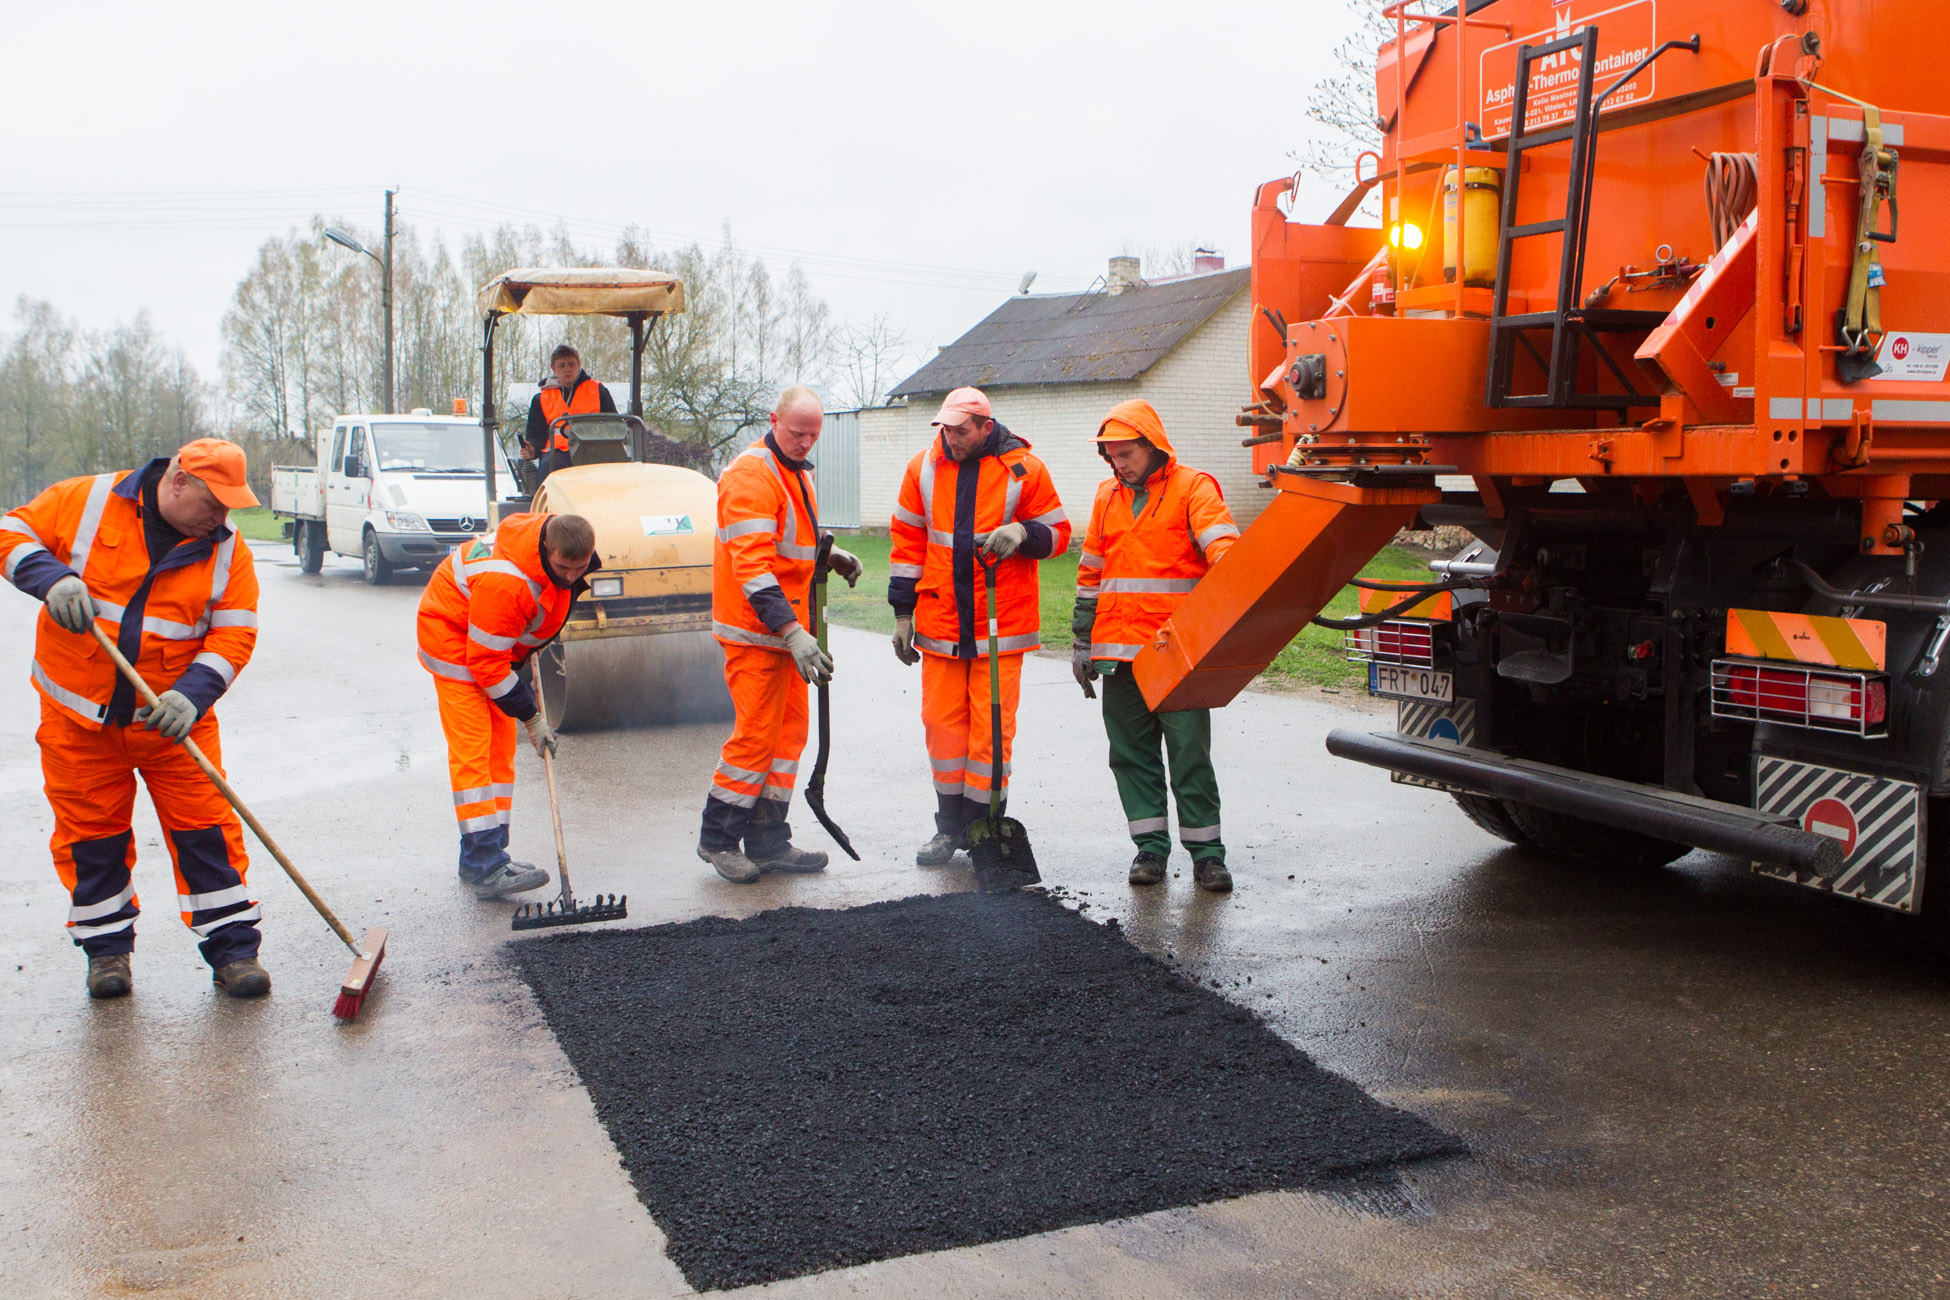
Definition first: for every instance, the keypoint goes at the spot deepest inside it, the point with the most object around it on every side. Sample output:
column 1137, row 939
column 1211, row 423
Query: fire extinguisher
column 1381, row 289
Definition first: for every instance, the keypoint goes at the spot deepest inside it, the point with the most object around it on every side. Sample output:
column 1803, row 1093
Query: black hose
column 1382, row 616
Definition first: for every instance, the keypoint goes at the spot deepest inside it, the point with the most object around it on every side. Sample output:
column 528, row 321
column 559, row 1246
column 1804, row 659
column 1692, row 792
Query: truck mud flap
column 1878, row 821
column 1423, row 720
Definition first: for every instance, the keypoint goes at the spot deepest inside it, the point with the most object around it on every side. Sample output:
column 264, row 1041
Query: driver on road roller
column 490, row 605
column 148, row 556
column 567, row 391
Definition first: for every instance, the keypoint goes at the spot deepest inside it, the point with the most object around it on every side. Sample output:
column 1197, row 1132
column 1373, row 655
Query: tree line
column 303, row 340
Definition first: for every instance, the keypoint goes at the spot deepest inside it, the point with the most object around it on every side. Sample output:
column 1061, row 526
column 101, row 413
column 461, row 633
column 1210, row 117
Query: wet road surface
column 1688, row 1081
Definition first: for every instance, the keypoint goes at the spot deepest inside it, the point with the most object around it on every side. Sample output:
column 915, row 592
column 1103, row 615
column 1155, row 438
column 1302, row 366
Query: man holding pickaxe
column 762, row 574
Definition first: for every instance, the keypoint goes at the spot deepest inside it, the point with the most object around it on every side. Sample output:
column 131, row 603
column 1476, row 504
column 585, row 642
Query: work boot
column 509, row 878
column 242, row 978
column 731, row 864
column 939, row 851
column 1211, row 873
column 108, row 977
column 1147, row 868
column 790, row 861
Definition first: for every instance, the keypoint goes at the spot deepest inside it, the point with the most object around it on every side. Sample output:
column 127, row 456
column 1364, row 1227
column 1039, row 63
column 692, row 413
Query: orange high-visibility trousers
column 955, row 715
column 481, row 765
column 90, row 781
column 761, row 760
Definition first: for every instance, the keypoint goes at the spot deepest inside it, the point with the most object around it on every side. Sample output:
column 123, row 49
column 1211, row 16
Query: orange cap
column 961, row 404
column 220, row 466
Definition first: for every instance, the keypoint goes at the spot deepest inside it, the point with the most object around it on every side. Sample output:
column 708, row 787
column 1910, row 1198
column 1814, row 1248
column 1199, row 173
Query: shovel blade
column 1001, row 854
column 542, row 916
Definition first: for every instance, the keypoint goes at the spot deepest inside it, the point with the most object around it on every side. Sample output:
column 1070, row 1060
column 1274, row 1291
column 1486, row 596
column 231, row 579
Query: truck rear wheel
column 1602, row 846
column 379, row 569
column 1493, row 815
column 311, row 546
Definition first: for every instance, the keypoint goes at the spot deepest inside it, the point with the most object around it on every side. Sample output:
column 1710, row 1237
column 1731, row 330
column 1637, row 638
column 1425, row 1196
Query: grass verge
column 258, row 524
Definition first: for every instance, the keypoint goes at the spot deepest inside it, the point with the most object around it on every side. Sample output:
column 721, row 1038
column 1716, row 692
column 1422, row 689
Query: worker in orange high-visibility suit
column 761, row 574
column 490, row 605
column 568, row 391
column 146, row 556
column 1155, row 528
column 974, row 488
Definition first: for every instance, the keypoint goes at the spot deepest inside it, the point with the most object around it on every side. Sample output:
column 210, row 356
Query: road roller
column 637, row 649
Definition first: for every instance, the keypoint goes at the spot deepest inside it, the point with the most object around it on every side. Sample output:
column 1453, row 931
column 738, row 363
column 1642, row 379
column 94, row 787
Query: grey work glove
column 540, row 734
column 814, row 664
column 70, row 605
column 904, row 640
column 173, row 716
column 1002, row 543
column 1083, row 669
column 846, row 564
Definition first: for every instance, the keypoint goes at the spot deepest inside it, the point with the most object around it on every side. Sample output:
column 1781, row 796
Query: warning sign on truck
column 1625, row 35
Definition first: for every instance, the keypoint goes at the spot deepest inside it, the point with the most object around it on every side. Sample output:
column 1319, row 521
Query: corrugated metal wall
column 837, row 459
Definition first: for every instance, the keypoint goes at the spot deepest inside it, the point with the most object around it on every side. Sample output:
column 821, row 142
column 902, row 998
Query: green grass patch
column 1314, row 658
column 258, row 524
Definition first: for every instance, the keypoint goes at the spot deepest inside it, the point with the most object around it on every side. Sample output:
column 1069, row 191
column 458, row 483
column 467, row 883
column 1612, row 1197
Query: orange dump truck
column 1659, row 311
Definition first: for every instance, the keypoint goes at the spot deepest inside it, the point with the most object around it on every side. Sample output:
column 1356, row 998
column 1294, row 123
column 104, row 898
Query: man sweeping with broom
column 145, row 555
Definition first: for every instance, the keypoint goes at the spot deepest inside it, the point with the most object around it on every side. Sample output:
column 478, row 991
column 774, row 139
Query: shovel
column 816, row 786
column 998, row 845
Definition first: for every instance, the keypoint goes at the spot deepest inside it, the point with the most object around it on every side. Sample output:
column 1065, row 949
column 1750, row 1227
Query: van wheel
column 379, row 570
column 311, row 547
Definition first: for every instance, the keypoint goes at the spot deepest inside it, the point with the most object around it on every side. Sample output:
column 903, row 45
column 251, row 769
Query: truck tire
column 379, row 569
column 1492, row 815
column 311, row 546
column 1601, row 846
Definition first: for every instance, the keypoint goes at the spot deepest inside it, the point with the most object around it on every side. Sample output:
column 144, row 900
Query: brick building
column 1054, row 364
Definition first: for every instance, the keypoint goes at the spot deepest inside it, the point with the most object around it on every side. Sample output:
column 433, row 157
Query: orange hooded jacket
column 1138, row 567
column 489, row 606
column 767, row 540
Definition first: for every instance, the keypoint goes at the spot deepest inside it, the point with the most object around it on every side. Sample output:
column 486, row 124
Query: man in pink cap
column 974, row 499
column 145, row 556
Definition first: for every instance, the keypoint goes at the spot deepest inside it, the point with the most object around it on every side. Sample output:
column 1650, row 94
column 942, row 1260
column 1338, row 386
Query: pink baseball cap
column 961, row 404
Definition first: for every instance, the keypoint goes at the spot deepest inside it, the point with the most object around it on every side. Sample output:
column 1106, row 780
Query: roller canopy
column 582, row 291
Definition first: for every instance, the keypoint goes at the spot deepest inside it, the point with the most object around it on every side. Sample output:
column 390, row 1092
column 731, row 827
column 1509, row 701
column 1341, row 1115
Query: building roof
column 1075, row 338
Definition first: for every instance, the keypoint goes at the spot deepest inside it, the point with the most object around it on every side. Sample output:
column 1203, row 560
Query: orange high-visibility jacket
column 191, row 626
column 1139, row 568
column 589, row 398
column 767, row 539
column 489, row 606
column 943, row 505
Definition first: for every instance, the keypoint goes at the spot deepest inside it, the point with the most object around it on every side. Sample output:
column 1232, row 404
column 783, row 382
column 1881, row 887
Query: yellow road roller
column 638, row 647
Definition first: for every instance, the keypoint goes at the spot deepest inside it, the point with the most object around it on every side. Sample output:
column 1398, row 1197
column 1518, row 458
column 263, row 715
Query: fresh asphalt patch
column 807, row 1089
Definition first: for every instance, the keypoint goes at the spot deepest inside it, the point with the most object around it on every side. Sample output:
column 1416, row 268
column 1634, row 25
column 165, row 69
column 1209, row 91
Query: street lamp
column 344, row 240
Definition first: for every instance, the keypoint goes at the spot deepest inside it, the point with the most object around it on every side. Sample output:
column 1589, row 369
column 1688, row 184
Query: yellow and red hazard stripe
column 1859, row 643
column 1440, row 606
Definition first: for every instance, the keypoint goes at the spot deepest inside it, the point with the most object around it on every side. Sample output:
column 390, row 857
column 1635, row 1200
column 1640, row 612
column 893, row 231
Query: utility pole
column 386, row 299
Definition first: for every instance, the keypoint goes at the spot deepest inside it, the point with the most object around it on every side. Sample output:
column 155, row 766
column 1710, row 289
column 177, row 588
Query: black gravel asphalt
column 807, row 1089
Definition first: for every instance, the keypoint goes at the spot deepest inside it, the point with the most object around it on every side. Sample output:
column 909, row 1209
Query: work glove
column 70, row 605
column 173, row 716
column 814, row 664
column 846, row 564
column 904, row 640
column 1083, row 669
column 540, row 734
column 1002, row 542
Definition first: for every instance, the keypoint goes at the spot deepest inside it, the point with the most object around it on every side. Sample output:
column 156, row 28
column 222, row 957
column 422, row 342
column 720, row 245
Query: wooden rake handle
column 223, row 788
column 555, row 813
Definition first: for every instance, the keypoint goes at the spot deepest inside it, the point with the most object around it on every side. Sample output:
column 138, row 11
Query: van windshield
column 432, row 448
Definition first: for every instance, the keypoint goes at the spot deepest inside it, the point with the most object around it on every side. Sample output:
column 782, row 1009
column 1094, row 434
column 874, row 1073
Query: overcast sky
column 915, row 158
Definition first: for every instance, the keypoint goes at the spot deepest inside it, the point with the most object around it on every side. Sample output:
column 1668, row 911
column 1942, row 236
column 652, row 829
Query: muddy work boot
column 939, row 851
column 508, row 878
column 243, row 978
column 1211, row 873
column 1147, row 868
column 731, row 864
column 768, row 843
column 789, row 861
column 108, row 977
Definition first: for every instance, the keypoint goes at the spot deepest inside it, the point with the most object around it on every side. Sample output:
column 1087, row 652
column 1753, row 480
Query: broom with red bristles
column 367, row 955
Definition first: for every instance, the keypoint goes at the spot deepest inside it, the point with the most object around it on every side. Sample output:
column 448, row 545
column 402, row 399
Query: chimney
column 1123, row 275
column 1206, row 260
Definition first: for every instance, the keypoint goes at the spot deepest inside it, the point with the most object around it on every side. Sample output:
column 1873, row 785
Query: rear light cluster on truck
column 1795, row 695
column 1398, row 641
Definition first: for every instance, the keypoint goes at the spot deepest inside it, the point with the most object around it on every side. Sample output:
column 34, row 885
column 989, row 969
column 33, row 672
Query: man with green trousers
column 1155, row 529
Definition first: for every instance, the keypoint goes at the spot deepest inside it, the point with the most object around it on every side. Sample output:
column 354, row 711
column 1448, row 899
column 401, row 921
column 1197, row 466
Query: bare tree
column 36, row 399
column 1344, row 103
column 869, row 357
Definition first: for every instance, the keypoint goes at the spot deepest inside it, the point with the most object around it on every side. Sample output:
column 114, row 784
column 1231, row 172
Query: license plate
column 1402, row 683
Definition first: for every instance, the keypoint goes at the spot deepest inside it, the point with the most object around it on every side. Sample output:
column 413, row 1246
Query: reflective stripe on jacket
column 762, row 562
column 943, row 505
column 197, row 608
column 489, row 606
column 1139, row 568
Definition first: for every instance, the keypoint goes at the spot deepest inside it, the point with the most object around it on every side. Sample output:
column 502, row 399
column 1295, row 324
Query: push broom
column 366, row 956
